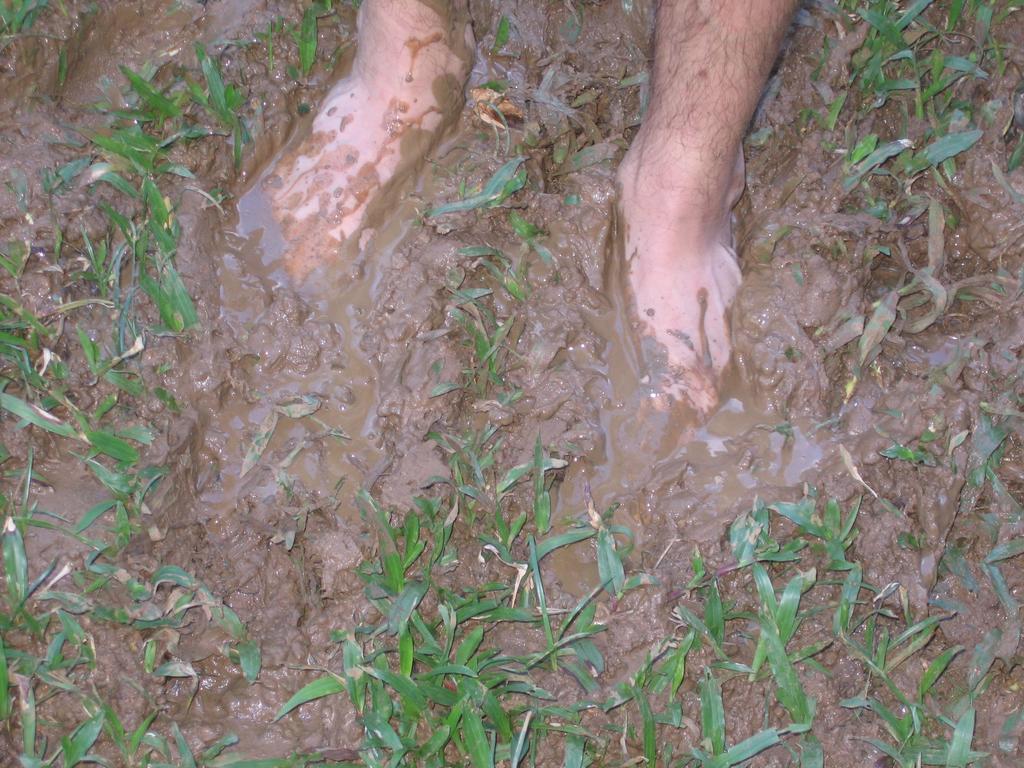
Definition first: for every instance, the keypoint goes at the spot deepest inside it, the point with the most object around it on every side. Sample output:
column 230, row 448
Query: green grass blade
column 811, row 753
column 214, row 84
column 789, row 690
column 956, row 7
column 152, row 97
column 546, row 546
column 746, row 749
column 677, row 662
column 575, row 751
column 843, row 618
column 172, row 300
column 406, row 652
column 15, row 565
column 29, row 722
column 402, row 608
column 873, row 161
column 501, row 35
column 801, row 513
column 521, row 745
column 712, row 714
column 935, row 670
column 542, row 604
column 112, row 446
column 506, row 180
column 650, row 739
column 685, row 616
column 77, row 745
column 324, row 686
column 960, row 745
column 308, row 40
column 250, row 659
column 380, row 730
column 950, row 145
column 407, row 690
column 475, row 738
column 909, row 15
column 609, row 566
column 789, row 604
column 35, row 415
column 1006, row 550
column 541, row 498
column 5, row 693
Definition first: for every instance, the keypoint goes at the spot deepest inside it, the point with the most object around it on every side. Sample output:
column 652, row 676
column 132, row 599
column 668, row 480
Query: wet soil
column 365, row 344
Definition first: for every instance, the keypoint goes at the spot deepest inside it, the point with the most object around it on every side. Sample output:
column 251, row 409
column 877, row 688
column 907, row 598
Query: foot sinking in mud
column 372, row 131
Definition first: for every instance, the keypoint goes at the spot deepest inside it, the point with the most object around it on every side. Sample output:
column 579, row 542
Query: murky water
column 742, row 450
column 646, row 453
column 645, row 457
column 341, row 439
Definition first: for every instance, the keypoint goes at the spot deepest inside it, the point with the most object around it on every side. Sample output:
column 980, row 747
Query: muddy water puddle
column 671, row 481
column 658, row 467
column 299, row 346
column 690, row 494
column 667, row 476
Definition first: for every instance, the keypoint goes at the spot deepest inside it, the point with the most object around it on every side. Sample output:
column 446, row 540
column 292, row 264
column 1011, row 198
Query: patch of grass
column 506, row 181
column 121, row 291
column 134, row 258
column 915, row 68
column 222, row 101
column 19, row 15
column 305, row 35
column 919, row 300
column 55, row 609
column 429, row 685
column 918, row 67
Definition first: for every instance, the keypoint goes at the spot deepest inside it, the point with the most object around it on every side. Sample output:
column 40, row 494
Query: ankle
column 403, row 40
column 692, row 194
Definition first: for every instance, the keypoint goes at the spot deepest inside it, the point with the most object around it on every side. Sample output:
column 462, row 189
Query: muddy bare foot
column 373, row 130
column 682, row 273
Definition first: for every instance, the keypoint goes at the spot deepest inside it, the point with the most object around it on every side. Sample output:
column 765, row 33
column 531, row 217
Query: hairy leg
column 681, row 177
column 373, row 128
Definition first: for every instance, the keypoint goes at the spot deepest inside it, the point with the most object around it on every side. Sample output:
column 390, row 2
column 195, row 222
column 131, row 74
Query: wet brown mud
column 339, row 374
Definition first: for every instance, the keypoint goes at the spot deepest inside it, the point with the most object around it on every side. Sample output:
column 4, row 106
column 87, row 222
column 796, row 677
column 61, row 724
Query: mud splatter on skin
column 375, row 339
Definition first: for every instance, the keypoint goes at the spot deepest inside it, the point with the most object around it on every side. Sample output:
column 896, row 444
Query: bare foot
column 373, row 129
column 682, row 271
column 681, row 177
